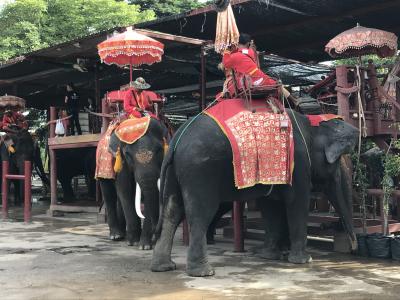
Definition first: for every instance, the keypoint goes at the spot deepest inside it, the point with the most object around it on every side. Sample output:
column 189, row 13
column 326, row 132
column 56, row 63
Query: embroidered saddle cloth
column 130, row 130
column 261, row 141
column 104, row 158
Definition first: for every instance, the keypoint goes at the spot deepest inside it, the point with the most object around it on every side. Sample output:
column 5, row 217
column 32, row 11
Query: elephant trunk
column 138, row 201
column 344, row 200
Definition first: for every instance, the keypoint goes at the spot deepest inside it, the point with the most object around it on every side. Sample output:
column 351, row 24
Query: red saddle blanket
column 262, row 142
column 315, row 120
column 130, row 130
column 104, row 159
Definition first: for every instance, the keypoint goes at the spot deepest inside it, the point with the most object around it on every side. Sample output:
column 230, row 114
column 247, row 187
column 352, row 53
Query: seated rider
column 139, row 102
column 243, row 61
column 13, row 120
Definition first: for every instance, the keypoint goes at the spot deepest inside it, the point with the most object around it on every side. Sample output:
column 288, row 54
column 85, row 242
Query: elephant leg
column 297, row 201
column 151, row 211
column 110, row 199
column 121, row 218
column 125, row 189
column 172, row 216
column 201, row 205
column 276, row 229
column 222, row 210
column 67, row 188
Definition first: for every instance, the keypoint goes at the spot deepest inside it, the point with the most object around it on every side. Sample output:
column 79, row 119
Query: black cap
column 244, row 38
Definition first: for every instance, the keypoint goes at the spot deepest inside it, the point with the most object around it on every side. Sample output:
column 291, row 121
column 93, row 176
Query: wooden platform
column 75, row 141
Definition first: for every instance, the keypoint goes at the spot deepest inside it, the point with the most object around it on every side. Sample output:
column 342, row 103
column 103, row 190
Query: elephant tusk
column 158, row 184
column 138, row 202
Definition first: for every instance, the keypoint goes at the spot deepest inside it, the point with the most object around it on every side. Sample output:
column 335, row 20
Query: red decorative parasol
column 362, row 40
column 11, row 101
column 130, row 48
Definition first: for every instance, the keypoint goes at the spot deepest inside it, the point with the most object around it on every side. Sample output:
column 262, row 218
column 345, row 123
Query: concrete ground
column 70, row 257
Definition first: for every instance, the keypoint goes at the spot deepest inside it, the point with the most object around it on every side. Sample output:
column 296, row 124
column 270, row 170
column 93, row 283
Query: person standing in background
column 72, row 102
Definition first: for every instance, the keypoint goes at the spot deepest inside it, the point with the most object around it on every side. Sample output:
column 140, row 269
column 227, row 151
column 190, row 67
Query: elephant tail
column 168, row 186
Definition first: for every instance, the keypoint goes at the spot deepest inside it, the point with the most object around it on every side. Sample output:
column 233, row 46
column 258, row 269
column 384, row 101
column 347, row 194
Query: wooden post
column 374, row 84
column 53, row 117
column 342, row 99
column 27, row 191
column 202, row 79
column 105, row 121
column 53, row 177
column 97, row 87
column 238, row 226
column 4, row 189
column 52, row 155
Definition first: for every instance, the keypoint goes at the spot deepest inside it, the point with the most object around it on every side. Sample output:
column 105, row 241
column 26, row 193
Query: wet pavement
column 70, row 257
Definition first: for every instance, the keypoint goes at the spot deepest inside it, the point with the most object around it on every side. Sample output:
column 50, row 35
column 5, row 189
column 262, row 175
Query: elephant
column 115, row 215
column 335, row 183
column 197, row 175
column 84, row 163
column 24, row 149
column 138, row 177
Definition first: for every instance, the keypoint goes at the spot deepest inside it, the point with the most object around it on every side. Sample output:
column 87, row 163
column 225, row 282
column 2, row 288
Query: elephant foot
column 145, row 246
column 133, row 243
column 157, row 266
column 200, row 271
column 210, row 242
column 132, row 239
column 299, row 258
column 116, row 237
column 270, row 254
column 210, row 239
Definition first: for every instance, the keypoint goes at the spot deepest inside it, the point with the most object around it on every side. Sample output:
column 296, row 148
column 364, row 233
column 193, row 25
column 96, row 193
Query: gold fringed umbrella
column 227, row 33
column 11, row 101
column 361, row 40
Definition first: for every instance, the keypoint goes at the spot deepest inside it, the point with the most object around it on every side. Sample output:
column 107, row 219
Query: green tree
column 20, row 27
column 167, row 7
column 29, row 25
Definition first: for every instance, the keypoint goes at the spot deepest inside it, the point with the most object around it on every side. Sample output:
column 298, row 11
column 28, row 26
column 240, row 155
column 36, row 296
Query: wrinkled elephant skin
column 198, row 176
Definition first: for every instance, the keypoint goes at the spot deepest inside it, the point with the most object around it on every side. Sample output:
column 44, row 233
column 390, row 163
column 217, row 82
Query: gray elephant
column 24, row 149
column 139, row 176
column 84, row 164
column 197, row 175
column 336, row 184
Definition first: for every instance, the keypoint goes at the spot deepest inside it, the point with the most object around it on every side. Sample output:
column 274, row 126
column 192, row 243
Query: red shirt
column 144, row 100
column 16, row 118
column 243, row 62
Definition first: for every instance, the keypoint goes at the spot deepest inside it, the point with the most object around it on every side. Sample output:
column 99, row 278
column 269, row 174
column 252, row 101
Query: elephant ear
column 114, row 144
column 334, row 150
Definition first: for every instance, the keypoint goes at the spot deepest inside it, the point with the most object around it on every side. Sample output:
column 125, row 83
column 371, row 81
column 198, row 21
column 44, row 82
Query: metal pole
column 4, row 189
column 27, row 190
column 203, row 79
column 238, row 226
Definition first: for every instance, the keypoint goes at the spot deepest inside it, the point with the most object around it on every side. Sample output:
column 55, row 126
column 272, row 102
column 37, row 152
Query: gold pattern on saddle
column 130, row 130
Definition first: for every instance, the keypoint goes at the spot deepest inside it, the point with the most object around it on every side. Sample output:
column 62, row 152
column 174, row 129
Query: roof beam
column 315, row 20
column 171, row 37
column 34, row 76
column 192, row 87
